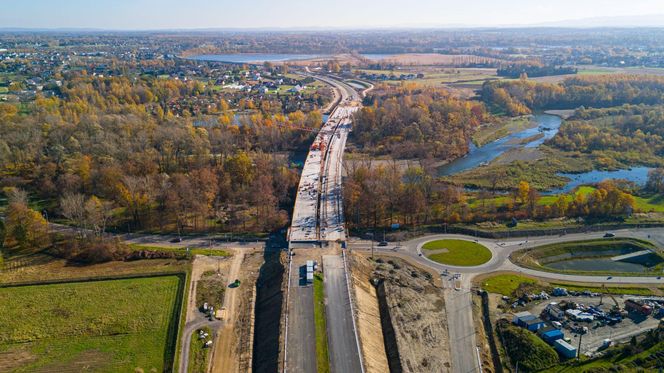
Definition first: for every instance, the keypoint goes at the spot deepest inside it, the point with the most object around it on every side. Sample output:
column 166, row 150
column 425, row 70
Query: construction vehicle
column 616, row 310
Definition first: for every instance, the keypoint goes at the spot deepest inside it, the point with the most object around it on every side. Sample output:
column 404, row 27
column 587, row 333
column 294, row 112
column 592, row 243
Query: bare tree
column 73, row 208
column 97, row 214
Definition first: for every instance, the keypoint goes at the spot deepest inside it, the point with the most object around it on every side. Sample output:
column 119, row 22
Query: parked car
column 382, row 243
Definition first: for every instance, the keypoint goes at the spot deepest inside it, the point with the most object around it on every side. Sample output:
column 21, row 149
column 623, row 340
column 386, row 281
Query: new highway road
column 318, row 223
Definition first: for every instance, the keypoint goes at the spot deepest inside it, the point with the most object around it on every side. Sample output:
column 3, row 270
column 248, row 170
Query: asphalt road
column 344, row 354
column 458, row 305
column 301, row 351
column 458, row 302
column 186, row 334
column 501, row 250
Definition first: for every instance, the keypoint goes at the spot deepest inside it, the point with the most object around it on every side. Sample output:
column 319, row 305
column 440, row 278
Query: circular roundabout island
column 455, row 252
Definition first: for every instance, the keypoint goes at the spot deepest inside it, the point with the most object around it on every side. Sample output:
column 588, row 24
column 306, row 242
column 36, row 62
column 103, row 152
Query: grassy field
column 437, row 77
column 630, row 290
column 181, row 250
column 457, row 252
column 505, row 284
column 199, row 355
column 103, row 326
column 509, row 283
column 322, row 353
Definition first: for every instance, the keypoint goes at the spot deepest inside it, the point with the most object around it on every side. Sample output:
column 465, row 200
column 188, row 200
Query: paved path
column 344, row 354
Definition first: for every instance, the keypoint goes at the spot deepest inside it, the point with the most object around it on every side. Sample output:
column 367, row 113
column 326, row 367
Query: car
column 610, row 277
column 382, row 243
column 176, row 239
column 609, row 235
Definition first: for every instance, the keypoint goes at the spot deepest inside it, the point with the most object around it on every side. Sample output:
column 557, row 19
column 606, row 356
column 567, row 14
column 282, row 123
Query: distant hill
column 656, row 20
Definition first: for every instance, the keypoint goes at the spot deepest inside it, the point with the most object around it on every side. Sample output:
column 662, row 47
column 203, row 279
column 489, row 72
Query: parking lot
column 599, row 329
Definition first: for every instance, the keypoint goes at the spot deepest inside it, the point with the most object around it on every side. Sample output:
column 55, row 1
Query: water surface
column 597, row 264
column 546, row 124
column 637, row 175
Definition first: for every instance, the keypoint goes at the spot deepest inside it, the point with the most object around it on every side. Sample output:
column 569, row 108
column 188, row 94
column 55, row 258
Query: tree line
column 518, row 97
column 385, row 194
column 533, row 70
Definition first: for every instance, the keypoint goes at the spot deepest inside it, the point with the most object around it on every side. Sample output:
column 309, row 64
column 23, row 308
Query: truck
column 632, row 305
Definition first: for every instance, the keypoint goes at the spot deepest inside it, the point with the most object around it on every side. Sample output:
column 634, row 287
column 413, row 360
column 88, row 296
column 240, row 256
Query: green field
column 505, row 284
column 322, row 353
column 180, row 250
column 118, row 325
column 508, row 283
column 457, row 252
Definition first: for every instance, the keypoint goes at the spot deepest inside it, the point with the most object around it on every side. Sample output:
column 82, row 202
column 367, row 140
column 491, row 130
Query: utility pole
column 578, row 352
column 372, row 247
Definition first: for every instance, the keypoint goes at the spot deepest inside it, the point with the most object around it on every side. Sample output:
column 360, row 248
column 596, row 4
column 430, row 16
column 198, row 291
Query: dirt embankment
column 369, row 321
column 270, row 294
column 412, row 314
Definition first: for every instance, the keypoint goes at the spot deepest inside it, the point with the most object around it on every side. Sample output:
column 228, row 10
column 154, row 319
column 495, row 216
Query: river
column 546, row 124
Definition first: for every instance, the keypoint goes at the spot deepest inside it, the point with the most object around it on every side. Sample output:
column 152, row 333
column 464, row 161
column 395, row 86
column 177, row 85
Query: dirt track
column 233, row 342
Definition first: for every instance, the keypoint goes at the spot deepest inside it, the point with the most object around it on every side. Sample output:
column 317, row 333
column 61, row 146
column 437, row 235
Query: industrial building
column 565, row 349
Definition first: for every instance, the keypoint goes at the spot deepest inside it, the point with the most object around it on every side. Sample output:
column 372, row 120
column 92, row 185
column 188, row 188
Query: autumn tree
column 522, row 191
column 25, row 229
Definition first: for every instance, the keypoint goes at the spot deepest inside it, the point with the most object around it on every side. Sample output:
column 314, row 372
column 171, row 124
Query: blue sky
column 184, row 14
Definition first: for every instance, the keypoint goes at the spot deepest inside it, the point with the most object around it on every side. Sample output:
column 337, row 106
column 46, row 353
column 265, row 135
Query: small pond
column 637, row 175
column 597, row 264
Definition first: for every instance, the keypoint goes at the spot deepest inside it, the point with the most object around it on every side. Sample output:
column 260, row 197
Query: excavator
column 616, row 309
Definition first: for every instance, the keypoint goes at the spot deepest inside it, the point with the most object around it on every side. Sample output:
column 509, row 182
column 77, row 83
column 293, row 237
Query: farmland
column 103, row 326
